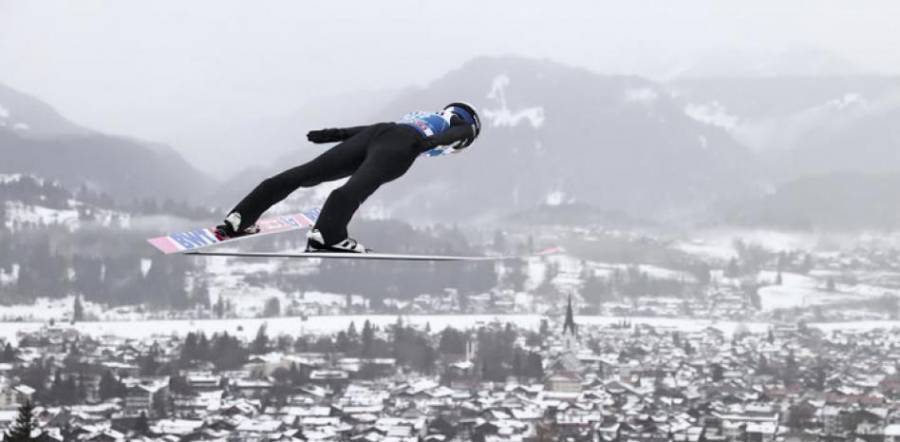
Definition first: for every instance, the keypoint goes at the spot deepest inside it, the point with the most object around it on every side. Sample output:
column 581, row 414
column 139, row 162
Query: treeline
column 34, row 191
column 46, row 193
column 57, row 380
column 499, row 358
column 497, row 355
column 633, row 282
column 111, row 267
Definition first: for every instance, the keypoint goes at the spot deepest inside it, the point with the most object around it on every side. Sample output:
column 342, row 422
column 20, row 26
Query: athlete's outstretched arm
column 461, row 133
column 332, row 135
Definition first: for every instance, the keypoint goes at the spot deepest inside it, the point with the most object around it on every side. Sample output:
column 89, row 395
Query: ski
column 373, row 256
column 193, row 240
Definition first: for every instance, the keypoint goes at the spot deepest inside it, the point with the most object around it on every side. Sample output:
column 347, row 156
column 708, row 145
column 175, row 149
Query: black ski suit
column 369, row 155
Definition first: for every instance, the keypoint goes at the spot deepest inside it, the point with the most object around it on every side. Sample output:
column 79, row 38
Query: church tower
column 570, row 331
column 565, row 370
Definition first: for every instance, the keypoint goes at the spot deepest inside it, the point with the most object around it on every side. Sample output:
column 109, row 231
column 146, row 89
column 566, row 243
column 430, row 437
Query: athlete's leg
column 390, row 156
column 338, row 162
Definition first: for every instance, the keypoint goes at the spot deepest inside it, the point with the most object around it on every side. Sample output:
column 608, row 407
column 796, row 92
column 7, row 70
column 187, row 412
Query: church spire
column 569, row 325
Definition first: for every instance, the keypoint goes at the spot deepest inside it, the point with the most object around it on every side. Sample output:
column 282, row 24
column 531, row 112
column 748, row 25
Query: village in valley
column 498, row 382
column 690, row 340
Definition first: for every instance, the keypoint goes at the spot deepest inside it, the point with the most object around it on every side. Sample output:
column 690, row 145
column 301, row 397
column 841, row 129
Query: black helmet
column 467, row 113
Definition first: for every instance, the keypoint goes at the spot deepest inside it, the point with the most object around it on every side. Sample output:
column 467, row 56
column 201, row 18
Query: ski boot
column 231, row 227
column 315, row 242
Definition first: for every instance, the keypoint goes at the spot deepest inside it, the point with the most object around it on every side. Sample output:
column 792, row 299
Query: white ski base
column 362, row 256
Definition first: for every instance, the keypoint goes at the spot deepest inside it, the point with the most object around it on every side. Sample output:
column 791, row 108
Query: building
column 564, row 372
column 149, row 396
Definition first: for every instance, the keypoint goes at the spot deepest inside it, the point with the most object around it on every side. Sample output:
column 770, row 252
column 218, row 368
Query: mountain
column 839, row 200
column 29, row 116
column 35, row 139
column 805, row 125
column 261, row 140
column 560, row 135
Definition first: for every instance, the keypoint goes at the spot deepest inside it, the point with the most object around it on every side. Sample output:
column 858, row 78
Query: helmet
column 467, row 113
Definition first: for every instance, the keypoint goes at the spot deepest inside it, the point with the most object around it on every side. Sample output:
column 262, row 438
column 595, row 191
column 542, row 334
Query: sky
column 181, row 72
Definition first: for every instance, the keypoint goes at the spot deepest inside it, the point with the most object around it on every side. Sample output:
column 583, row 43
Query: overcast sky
column 163, row 69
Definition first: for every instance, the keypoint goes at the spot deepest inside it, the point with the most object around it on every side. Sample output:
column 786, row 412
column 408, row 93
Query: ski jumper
column 369, row 155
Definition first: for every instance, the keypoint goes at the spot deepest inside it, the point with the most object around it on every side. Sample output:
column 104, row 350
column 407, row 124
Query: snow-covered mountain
column 805, row 125
column 35, row 139
column 831, row 144
column 555, row 134
column 29, row 116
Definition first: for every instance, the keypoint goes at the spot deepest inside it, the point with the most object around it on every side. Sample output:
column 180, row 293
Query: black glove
column 325, row 135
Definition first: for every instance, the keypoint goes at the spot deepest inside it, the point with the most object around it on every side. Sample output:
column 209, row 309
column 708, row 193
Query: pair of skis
column 196, row 242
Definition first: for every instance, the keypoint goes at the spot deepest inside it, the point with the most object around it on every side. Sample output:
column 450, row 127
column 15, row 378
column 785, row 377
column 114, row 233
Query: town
column 497, row 382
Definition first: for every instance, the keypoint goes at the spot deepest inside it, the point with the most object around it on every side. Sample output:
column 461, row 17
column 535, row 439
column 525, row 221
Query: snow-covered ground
column 606, row 269
column 45, row 309
column 227, row 280
column 704, row 249
column 801, row 290
column 719, row 243
column 18, row 213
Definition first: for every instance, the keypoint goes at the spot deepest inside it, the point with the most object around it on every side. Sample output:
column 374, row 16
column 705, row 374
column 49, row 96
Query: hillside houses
column 614, row 383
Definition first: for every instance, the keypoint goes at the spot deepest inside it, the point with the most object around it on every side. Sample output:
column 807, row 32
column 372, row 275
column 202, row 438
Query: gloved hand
column 325, row 135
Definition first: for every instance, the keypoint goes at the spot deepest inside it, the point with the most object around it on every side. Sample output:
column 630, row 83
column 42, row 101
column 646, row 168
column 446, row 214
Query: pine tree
column 517, row 364
column 220, row 308
column 149, row 362
column 790, row 369
column 110, row 387
column 272, row 308
column 189, row 349
column 352, row 334
column 535, row 366
column 141, row 425
column 343, row 342
column 21, row 430
column 78, row 310
column 368, row 339
column 202, row 348
column 261, row 343
column 9, row 353
column 200, row 294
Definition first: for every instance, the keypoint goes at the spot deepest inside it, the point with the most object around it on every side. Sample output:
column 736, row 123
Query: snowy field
column 802, row 291
column 247, row 328
column 46, row 309
column 719, row 243
column 19, row 214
